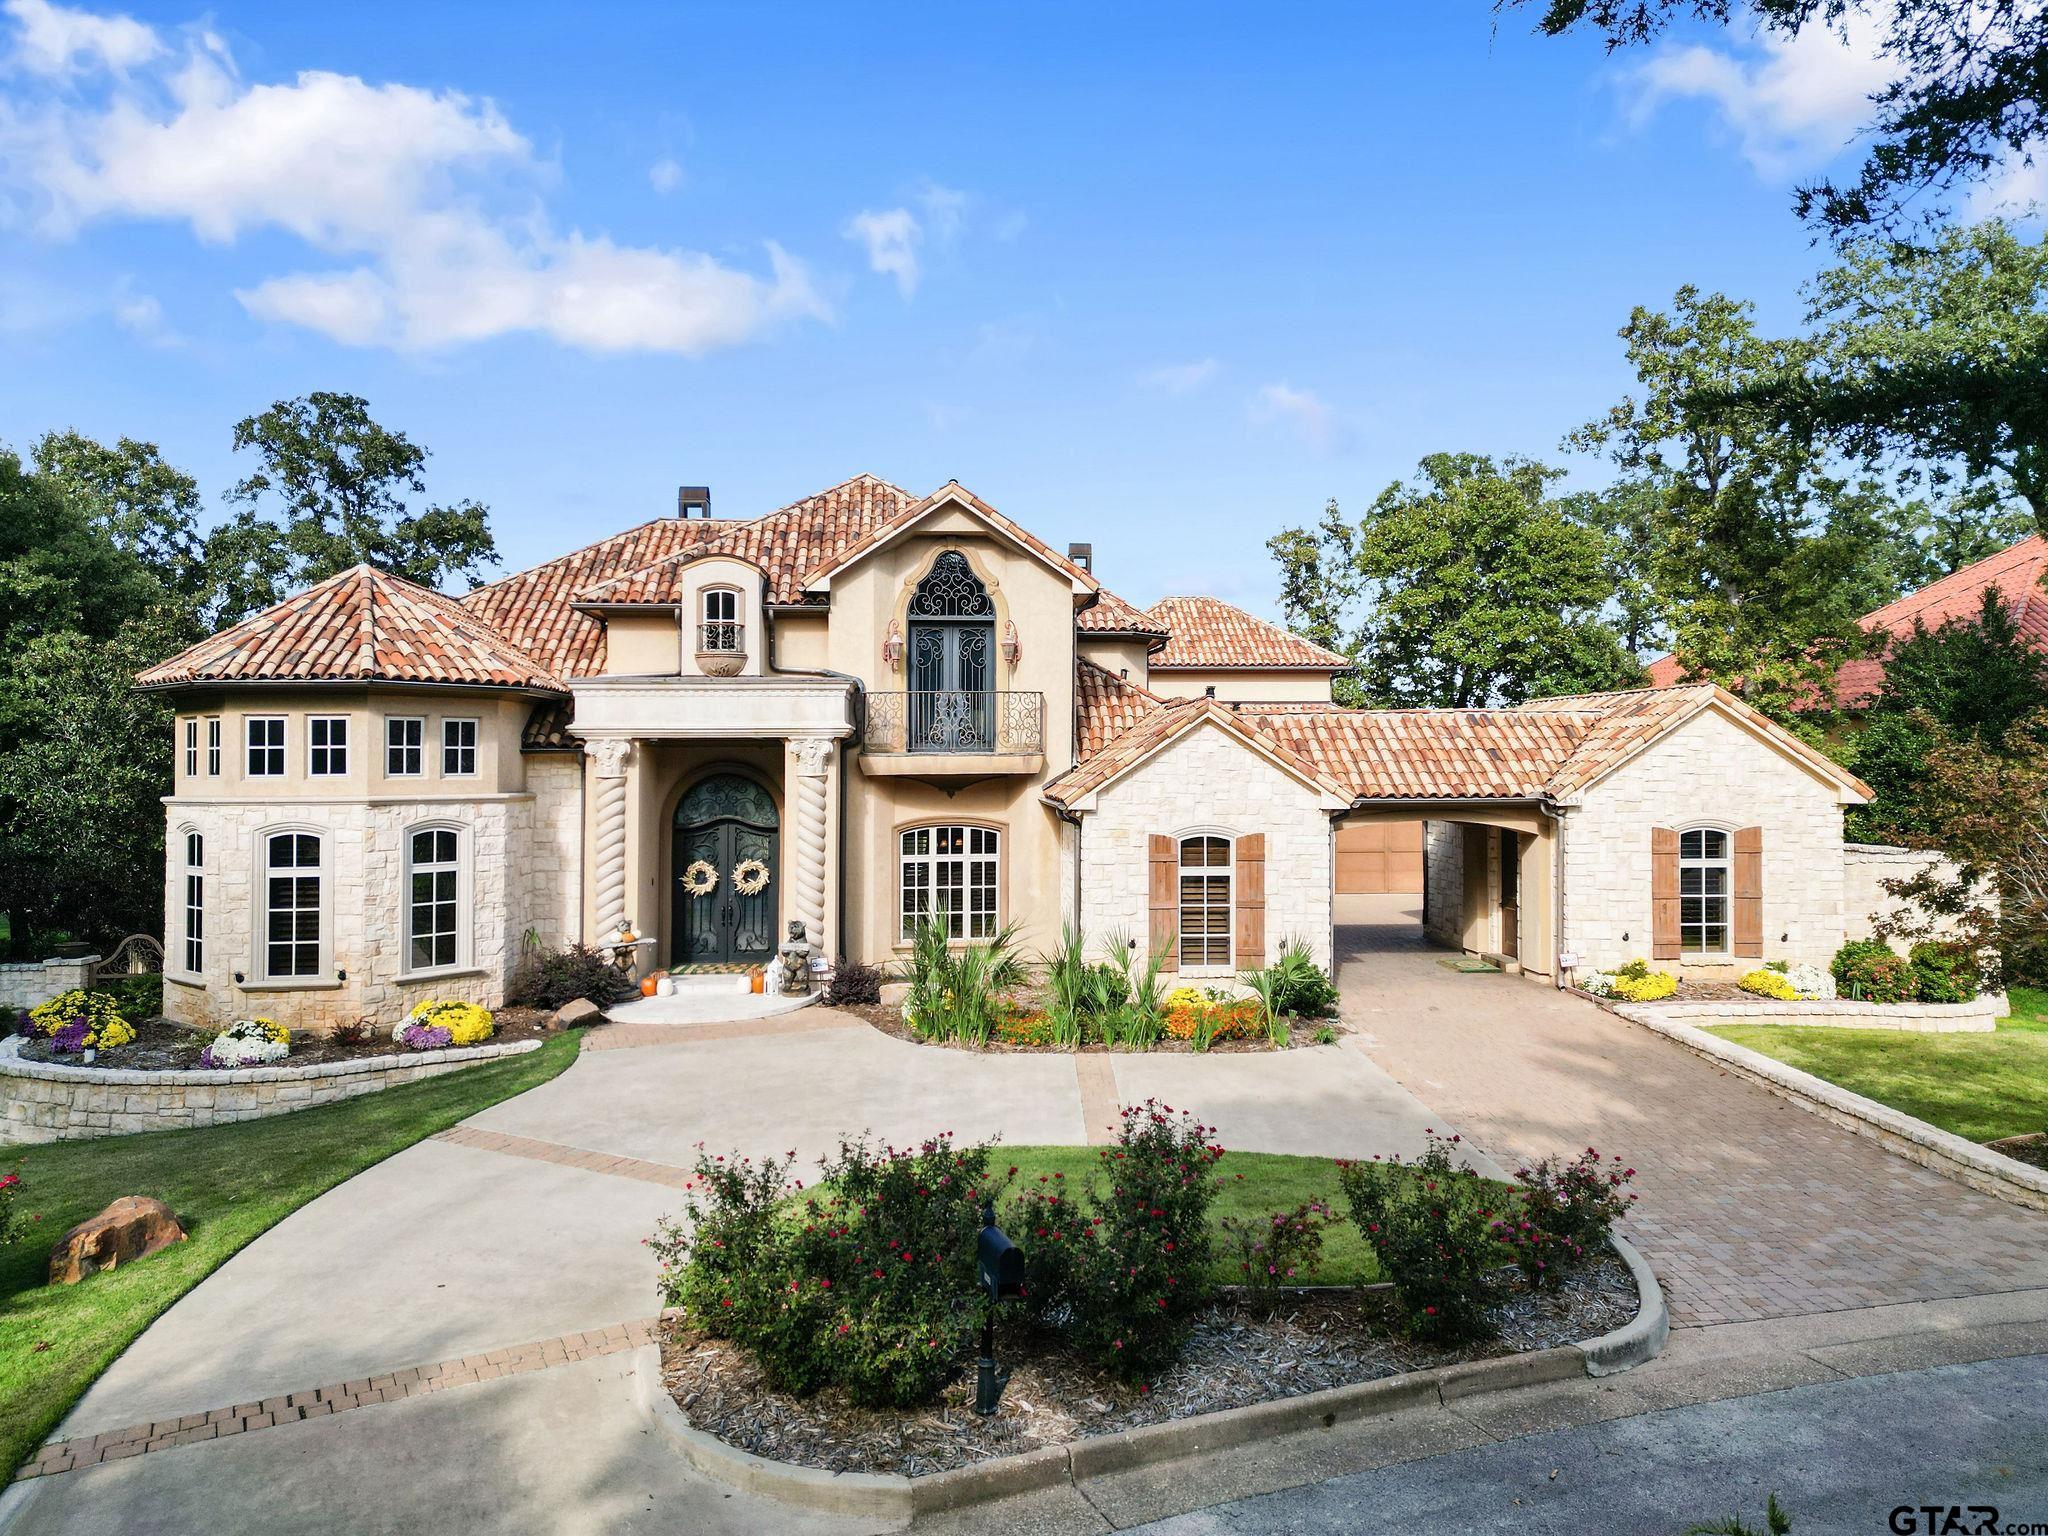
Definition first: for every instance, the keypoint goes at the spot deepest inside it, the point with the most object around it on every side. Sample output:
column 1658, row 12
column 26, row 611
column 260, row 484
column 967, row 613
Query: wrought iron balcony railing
column 721, row 637
column 954, row 720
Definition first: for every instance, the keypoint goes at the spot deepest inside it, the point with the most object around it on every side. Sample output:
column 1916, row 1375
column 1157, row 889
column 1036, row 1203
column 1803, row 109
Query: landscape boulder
column 132, row 1228
column 581, row 1011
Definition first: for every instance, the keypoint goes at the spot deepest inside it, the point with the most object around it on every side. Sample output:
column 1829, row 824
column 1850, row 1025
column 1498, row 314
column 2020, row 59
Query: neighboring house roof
column 359, row 625
column 1207, row 633
column 1105, row 706
column 2016, row 573
column 1433, row 754
column 1159, row 728
column 1111, row 615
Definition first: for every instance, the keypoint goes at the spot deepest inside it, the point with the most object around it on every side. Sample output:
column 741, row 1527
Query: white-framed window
column 266, row 746
column 1703, row 891
column 195, row 903
column 191, row 749
column 213, row 746
column 954, row 870
column 458, row 748
column 405, row 746
column 292, row 904
column 327, row 746
column 721, row 628
column 433, row 899
column 1205, row 874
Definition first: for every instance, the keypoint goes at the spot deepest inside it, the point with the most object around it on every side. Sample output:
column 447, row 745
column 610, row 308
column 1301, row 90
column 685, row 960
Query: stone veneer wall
column 550, row 873
column 24, row 986
column 1443, row 883
column 1208, row 782
column 1709, row 772
column 40, row 1102
column 1866, row 866
column 512, row 884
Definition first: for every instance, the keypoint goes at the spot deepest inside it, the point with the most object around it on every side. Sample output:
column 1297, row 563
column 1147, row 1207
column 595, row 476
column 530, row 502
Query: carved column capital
column 610, row 754
column 812, row 755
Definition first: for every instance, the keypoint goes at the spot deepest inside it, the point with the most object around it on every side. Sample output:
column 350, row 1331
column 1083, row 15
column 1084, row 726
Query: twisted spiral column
column 610, row 756
column 810, row 761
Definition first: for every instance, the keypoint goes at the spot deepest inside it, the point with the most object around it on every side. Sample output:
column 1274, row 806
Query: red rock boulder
column 132, row 1228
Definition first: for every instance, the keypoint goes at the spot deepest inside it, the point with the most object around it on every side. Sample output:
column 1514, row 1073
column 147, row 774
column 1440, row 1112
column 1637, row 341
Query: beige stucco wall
column 1244, row 684
column 1208, row 782
column 1709, row 772
column 1124, row 658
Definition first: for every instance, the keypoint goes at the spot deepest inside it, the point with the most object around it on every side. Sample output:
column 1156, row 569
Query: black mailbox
column 1002, row 1261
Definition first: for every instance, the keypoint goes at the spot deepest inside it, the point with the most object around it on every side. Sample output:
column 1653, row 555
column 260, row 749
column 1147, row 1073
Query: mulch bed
column 161, row 1046
column 2031, row 1150
column 1239, row 1354
column 890, row 1021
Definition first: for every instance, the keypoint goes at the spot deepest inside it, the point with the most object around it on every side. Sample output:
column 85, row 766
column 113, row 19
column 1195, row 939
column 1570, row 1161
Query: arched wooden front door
column 723, row 823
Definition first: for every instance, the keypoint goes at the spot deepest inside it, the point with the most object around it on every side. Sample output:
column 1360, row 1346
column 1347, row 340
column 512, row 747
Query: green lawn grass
column 1981, row 1086
column 227, row 1184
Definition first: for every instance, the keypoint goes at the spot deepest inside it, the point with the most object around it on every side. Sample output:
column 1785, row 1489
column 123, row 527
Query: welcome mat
column 1467, row 965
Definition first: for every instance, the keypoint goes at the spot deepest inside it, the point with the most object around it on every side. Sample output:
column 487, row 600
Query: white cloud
column 55, row 40
column 1181, row 378
column 1793, row 102
column 428, row 197
column 1301, row 409
column 945, row 211
column 891, row 239
column 141, row 316
column 665, row 175
column 2018, row 189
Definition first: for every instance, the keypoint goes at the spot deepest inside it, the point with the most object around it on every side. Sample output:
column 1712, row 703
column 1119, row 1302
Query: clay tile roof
column 1111, row 615
column 952, row 490
column 786, row 545
column 359, row 625
column 547, row 728
column 2016, row 572
column 1432, row 754
column 1207, row 632
column 532, row 609
column 1159, row 725
column 1106, row 706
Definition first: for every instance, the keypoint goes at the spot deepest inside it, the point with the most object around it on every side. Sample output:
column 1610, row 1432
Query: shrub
column 248, row 1043
column 1574, row 1204
column 1867, row 969
column 464, row 1023
column 1326, row 1036
column 355, row 1032
column 1300, row 985
column 1943, row 973
column 1137, row 1023
column 423, row 1037
column 1017, row 1027
column 1633, row 983
column 1282, row 1249
column 1430, row 1224
column 11, row 1223
column 1811, row 982
column 548, row 978
column 136, row 997
column 1204, row 1015
column 96, row 1010
column 854, row 982
column 958, row 994
column 1769, row 983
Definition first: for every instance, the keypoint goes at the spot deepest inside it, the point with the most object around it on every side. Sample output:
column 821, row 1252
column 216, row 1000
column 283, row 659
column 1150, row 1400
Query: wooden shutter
column 1749, row 893
column 1663, row 893
column 1248, row 892
column 1163, row 898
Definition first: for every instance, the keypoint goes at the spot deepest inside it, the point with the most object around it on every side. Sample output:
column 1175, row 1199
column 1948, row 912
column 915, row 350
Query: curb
column 900, row 1500
column 1936, row 1150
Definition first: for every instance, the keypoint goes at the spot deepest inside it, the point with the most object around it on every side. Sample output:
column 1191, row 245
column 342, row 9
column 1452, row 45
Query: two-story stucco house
column 872, row 705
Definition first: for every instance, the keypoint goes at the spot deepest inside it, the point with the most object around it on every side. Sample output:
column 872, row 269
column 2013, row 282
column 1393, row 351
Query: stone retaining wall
column 1978, row 1016
column 42, row 1102
column 25, row 986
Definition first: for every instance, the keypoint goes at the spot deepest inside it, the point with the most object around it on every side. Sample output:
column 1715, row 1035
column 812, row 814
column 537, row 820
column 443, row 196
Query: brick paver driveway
column 1750, row 1207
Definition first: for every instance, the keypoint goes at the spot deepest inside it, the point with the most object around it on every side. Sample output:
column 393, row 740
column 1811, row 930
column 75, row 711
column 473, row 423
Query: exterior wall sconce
column 1012, row 648
column 892, row 647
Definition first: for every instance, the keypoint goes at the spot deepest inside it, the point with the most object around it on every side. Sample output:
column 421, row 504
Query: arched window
column 1703, row 891
column 195, row 903
column 1205, row 901
column 721, row 628
column 951, row 871
column 434, row 907
column 951, row 590
column 293, row 870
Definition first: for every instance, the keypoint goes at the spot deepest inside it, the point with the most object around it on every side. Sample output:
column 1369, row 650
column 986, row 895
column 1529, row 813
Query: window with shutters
column 1703, row 891
column 951, row 871
column 1205, row 901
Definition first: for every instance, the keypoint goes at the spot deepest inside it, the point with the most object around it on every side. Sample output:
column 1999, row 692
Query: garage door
column 1377, row 858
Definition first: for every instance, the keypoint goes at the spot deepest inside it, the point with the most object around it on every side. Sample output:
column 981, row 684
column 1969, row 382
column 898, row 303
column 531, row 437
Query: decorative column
column 810, row 771
column 610, row 754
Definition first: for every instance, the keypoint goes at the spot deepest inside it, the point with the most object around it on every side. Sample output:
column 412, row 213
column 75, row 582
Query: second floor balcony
column 952, row 733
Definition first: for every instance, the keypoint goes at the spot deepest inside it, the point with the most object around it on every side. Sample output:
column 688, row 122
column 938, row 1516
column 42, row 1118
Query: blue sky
column 1165, row 277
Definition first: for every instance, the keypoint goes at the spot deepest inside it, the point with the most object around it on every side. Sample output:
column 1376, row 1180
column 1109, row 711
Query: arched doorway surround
column 727, row 833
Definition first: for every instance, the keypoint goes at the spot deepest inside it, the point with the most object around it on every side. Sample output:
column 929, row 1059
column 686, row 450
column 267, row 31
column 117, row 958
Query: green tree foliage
column 1319, row 583
column 1964, row 95
column 332, row 489
column 141, row 504
column 1485, row 589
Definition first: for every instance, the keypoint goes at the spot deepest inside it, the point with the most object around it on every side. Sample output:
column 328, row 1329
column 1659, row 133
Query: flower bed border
column 899, row 1499
column 1978, row 1016
column 74, row 1103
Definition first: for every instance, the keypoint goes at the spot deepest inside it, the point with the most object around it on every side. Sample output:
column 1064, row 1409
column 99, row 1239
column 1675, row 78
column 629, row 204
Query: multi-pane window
column 195, row 902
column 213, row 747
column 191, row 749
column 404, row 747
column 950, row 871
column 266, row 746
column 1204, row 901
column 721, row 631
column 291, row 936
column 1703, row 892
column 458, row 748
column 327, row 746
column 433, row 908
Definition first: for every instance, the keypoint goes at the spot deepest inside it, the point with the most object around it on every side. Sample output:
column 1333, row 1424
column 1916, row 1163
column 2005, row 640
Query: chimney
column 693, row 501
column 1082, row 555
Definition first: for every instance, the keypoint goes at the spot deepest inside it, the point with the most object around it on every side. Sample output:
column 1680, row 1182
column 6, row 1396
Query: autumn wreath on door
column 700, row 879
column 750, row 877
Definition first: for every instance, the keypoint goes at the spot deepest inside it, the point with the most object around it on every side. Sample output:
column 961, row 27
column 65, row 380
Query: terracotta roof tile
column 1159, row 725
column 952, row 490
column 1433, row 754
column 1111, row 615
column 1106, row 706
column 1206, row 632
column 359, row 625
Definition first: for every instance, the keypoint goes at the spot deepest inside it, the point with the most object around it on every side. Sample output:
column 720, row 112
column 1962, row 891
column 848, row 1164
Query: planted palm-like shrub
column 960, row 993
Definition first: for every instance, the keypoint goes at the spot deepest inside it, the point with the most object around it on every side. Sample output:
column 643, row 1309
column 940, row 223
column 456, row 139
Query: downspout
column 1557, row 948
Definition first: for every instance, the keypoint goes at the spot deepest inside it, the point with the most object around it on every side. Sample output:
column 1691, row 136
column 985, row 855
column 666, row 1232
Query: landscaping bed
column 1239, row 1352
column 1296, row 1034
column 162, row 1046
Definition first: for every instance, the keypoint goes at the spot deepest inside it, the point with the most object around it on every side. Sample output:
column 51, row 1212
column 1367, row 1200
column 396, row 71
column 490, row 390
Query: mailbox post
column 1001, row 1264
